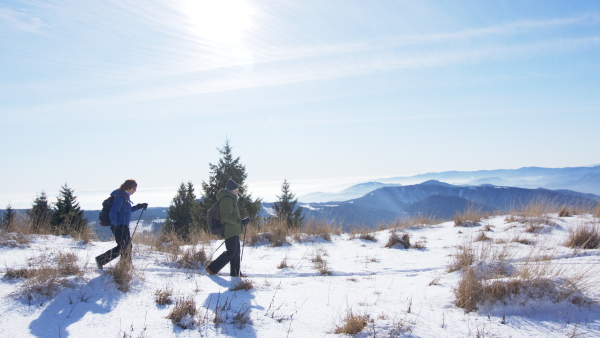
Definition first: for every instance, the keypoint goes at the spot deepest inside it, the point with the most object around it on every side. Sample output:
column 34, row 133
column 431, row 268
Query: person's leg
column 234, row 264
column 126, row 245
column 114, row 252
column 231, row 249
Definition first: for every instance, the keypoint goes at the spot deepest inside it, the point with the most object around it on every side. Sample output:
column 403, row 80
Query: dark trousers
column 123, row 248
column 231, row 256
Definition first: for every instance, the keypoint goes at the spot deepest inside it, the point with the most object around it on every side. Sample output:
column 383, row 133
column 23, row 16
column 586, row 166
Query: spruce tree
column 9, row 217
column 182, row 214
column 67, row 216
column 228, row 168
column 285, row 207
column 40, row 214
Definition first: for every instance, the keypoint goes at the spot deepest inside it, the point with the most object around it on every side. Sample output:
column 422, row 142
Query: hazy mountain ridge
column 581, row 179
column 441, row 200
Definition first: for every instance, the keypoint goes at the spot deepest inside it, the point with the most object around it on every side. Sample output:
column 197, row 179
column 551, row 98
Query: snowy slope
column 405, row 292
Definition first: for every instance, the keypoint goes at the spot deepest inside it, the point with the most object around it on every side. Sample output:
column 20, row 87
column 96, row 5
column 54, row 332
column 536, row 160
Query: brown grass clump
column 352, row 324
column 396, row 241
column 192, row 258
column 123, row 274
column 45, row 275
column 183, row 312
column 469, row 218
column 463, row 257
column 481, row 237
column 584, row 236
column 414, row 222
column 163, row 296
column 283, row 264
column 362, row 234
column 242, row 284
column 469, row 291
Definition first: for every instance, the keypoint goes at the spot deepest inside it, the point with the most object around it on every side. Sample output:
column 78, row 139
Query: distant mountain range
column 441, row 201
column 581, row 179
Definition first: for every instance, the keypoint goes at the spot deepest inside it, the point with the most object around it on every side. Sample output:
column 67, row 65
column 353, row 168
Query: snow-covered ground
column 404, row 292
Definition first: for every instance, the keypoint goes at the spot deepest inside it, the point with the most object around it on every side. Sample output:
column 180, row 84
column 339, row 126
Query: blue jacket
column 120, row 213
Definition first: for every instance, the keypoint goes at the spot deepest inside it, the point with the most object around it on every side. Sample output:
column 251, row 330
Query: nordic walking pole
column 244, row 243
column 138, row 222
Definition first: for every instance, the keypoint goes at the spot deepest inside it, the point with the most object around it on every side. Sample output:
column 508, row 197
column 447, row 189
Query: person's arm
column 118, row 203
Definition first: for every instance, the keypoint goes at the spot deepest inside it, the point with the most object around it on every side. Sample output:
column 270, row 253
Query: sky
column 323, row 94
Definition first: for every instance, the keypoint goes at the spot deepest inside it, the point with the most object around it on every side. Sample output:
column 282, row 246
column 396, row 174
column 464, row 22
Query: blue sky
column 321, row 93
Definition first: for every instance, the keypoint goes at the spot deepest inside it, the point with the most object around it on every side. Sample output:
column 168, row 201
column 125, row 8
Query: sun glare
column 222, row 21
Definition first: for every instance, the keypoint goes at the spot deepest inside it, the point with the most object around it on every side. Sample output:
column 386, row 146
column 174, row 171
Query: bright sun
column 221, row 21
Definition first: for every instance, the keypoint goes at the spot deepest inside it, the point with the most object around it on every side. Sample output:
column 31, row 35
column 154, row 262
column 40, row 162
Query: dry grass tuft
column 463, row 257
column 363, row 234
column 469, row 218
column 584, row 236
column 163, row 296
column 242, row 284
column 352, row 324
column 283, row 264
column 123, row 274
column 46, row 275
column 481, row 237
column 397, row 241
column 184, row 312
column 469, row 291
column 192, row 258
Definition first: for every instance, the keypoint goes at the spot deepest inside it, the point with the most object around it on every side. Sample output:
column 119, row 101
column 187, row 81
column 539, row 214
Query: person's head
column 232, row 186
column 130, row 186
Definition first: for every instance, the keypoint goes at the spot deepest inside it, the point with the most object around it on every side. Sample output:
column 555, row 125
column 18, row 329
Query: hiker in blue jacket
column 120, row 216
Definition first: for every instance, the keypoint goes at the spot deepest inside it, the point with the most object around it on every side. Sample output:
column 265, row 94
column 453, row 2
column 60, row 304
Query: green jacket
column 230, row 214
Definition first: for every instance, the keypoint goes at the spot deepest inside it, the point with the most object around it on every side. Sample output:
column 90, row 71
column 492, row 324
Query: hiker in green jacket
column 233, row 223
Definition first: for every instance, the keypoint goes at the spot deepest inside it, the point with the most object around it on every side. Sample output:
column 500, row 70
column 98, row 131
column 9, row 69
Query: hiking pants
column 123, row 248
column 231, row 256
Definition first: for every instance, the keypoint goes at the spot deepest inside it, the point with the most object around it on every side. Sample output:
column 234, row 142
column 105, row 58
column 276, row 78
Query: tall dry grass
column 490, row 275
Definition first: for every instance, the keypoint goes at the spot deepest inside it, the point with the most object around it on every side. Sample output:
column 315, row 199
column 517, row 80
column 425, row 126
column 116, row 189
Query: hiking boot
column 98, row 264
column 210, row 272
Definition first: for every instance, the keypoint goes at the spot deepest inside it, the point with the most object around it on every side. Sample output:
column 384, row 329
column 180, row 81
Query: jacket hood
column 224, row 192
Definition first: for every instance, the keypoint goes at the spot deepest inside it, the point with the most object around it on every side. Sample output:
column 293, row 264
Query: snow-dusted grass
column 513, row 282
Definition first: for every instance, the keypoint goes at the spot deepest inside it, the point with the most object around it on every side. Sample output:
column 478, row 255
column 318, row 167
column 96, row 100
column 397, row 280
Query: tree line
column 186, row 213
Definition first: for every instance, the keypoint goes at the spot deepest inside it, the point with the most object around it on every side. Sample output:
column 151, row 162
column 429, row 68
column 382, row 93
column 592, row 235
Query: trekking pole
column 138, row 222
column 244, row 243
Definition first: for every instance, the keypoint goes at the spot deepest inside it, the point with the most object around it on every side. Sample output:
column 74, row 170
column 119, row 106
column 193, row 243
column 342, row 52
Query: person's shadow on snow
column 72, row 305
column 232, row 309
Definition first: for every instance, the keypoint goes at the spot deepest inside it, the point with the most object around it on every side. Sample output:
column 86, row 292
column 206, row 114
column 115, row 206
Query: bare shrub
column 584, row 236
column 183, row 312
column 352, row 324
column 276, row 237
column 242, row 284
column 396, row 241
column 163, row 296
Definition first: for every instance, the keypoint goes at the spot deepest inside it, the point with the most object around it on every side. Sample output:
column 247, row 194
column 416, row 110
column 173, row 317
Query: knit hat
column 231, row 185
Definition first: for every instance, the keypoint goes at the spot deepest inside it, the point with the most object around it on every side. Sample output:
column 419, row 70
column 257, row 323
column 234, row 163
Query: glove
column 245, row 221
column 142, row 206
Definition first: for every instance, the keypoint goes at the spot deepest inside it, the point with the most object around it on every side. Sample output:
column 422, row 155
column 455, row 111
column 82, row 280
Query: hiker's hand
column 142, row 206
column 245, row 221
